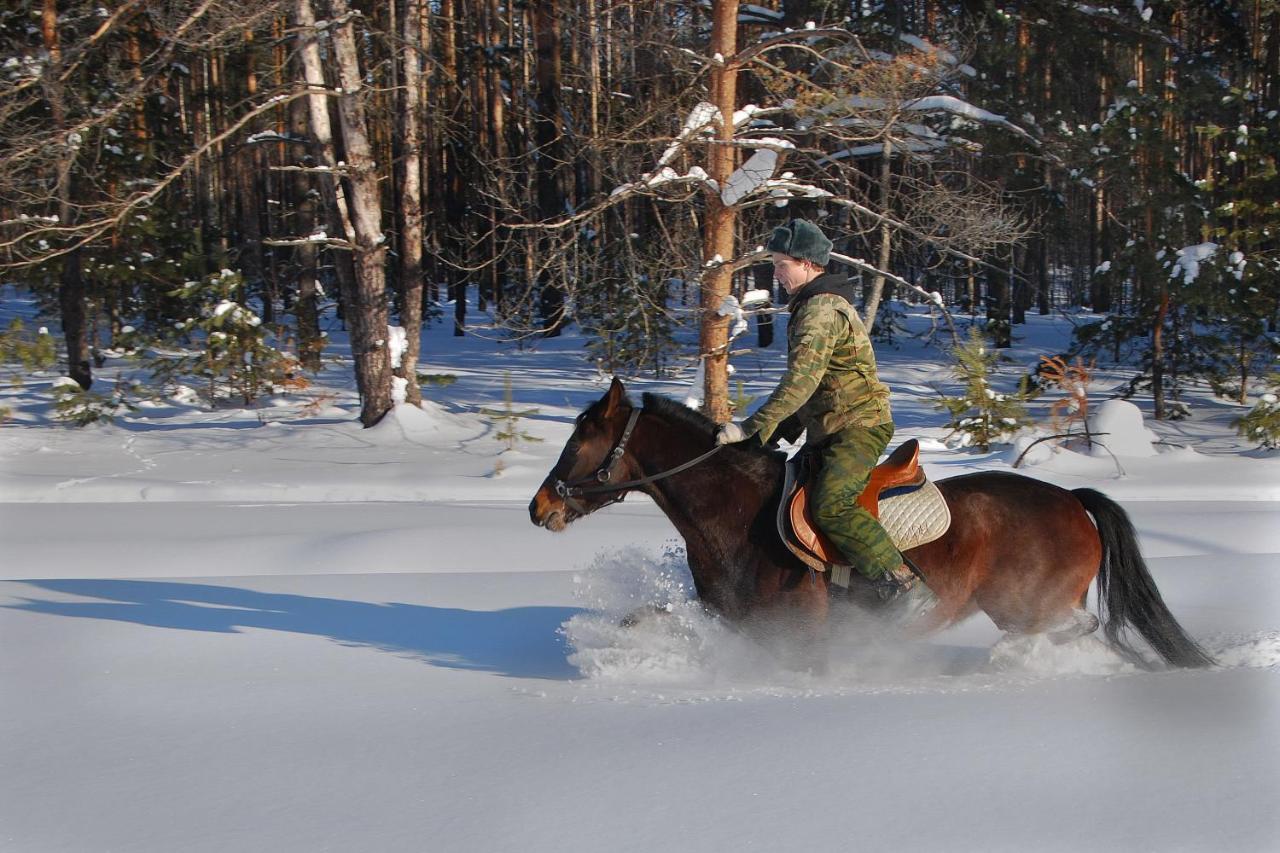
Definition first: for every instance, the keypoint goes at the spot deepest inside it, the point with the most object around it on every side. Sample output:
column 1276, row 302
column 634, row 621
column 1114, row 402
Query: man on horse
column 831, row 389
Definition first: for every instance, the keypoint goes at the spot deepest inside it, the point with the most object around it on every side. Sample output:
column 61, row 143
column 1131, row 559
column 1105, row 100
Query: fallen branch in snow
column 1027, row 449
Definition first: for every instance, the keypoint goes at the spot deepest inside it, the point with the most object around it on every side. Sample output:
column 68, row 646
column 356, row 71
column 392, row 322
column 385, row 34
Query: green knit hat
column 800, row 238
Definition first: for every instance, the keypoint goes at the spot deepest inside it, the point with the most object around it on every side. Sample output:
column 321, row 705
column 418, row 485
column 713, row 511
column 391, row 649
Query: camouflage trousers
column 847, row 458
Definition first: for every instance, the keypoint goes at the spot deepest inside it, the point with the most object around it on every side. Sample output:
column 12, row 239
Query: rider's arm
column 818, row 326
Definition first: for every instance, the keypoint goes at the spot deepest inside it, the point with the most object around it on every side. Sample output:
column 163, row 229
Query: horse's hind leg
column 1078, row 623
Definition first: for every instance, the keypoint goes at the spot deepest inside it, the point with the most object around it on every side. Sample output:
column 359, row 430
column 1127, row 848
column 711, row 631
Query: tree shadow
column 519, row 642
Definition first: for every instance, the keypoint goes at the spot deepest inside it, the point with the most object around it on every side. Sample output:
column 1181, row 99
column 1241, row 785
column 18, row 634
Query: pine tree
column 982, row 416
column 1262, row 424
column 236, row 354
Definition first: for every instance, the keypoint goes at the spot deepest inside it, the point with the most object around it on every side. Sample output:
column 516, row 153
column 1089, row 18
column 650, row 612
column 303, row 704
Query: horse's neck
column 712, row 504
column 697, row 492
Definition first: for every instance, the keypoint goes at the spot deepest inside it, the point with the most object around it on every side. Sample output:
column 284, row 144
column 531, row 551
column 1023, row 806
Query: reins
column 598, row 483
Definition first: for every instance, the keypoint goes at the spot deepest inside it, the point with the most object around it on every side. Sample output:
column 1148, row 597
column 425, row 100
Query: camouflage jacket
column 831, row 380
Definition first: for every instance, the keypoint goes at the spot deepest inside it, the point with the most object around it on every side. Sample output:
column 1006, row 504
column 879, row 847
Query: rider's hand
column 730, row 433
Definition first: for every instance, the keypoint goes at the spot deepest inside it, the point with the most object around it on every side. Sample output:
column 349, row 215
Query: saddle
column 907, row 504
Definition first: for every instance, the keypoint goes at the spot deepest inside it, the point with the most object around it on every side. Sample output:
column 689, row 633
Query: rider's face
column 793, row 273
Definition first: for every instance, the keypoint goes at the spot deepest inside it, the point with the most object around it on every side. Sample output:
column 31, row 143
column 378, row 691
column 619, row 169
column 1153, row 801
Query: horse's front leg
column 645, row 614
column 791, row 620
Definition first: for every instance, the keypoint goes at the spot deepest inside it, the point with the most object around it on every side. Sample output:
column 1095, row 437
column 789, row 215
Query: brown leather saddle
column 901, row 470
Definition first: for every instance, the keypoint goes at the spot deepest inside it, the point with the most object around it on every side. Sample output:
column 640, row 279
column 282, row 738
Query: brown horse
column 1021, row 550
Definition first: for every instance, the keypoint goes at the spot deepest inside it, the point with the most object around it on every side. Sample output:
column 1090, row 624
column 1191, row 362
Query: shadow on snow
column 521, row 642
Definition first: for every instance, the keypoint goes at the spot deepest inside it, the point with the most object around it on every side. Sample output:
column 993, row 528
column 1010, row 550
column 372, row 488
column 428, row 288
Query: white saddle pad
column 916, row 517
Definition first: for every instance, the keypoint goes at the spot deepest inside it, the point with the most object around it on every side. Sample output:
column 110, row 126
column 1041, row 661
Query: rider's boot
column 903, row 596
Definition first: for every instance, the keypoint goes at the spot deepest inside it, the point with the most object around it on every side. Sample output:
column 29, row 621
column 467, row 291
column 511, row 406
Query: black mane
column 673, row 410
column 749, row 454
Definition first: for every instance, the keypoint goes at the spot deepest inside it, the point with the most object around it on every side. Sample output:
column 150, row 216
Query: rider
column 831, row 390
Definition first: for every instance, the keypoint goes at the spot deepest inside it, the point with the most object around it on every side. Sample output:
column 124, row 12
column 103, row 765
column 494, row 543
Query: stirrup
column 904, row 596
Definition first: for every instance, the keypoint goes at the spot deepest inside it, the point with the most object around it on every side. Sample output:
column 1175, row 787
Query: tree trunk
column 886, row 238
column 718, row 242
column 363, row 297
column 1157, row 354
column 451, row 153
column 1043, row 299
column 411, row 204
column 549, row 179
column 366, row 304
column 307, row 256
column 1021, row 298
column 497, row 138
column 71, row 289
column 763, row 277
column 998, row 293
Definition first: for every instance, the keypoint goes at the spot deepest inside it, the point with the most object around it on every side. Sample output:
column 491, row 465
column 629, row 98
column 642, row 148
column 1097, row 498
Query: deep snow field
column 271, row 630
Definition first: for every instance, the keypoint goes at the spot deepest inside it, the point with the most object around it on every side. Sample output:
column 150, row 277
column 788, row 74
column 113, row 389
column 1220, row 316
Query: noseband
column 598, row 483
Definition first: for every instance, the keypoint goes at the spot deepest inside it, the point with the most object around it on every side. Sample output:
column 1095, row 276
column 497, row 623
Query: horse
column 1021, row 550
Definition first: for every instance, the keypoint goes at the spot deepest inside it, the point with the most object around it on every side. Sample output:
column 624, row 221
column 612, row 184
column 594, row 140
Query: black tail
column 1127, row 596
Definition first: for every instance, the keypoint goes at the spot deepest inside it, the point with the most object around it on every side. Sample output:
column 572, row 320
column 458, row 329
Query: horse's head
column 587, row 460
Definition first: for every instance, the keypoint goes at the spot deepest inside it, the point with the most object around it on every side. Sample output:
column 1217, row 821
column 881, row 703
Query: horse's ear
column 615, row 397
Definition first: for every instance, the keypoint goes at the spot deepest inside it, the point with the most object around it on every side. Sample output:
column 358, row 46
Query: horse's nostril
column 538, row 509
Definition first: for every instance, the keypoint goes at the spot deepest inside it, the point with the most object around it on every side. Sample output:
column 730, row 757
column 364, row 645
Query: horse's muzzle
column 547, row 510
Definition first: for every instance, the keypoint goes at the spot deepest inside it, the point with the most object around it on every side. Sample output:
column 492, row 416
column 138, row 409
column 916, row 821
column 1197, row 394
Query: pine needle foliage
column 77, row 407
column 32, row 352
column 507, row 419
column 1262, row 424
column 981, row 416
column 741, row 401
column 234, row 354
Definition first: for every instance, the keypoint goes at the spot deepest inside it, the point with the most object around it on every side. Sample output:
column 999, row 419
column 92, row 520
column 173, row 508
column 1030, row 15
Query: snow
column 925, row 47
column 667, row 175
column 702, row 116
column 750, row 176
column 1123, row 431
column 1188, row 261
column 876, row 149
column 730, row 308
column 270, row 629
column 397, row 343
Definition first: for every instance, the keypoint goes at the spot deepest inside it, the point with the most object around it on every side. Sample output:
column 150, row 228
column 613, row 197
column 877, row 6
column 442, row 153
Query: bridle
column 598, row 483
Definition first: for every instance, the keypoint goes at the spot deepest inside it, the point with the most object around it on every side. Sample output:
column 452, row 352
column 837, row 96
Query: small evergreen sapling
column 438, row 380
column 1262, row 424
column 32, row 353
column 741, row 401
column 237, row 357
column 77, row 407
column 981, row 416
column 507, row 419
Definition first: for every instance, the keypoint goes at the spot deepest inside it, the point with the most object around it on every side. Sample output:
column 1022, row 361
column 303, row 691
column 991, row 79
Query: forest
column 200, row 183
